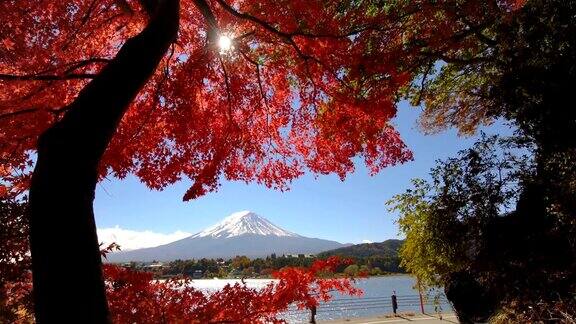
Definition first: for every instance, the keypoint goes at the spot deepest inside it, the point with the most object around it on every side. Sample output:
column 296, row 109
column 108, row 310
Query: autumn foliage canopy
column 305, row 84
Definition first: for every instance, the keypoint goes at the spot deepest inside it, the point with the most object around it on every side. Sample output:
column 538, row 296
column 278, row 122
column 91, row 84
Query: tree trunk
column 66, row 262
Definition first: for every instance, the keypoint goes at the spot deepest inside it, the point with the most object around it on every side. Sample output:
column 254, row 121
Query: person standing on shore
column 394, row 302
column 312, row 315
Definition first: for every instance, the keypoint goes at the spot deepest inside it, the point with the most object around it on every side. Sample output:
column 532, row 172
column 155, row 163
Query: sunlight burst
column 225, row 43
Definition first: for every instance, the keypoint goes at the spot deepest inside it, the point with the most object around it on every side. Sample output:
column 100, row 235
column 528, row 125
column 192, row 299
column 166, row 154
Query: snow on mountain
column 242, row 233
column 244, row 222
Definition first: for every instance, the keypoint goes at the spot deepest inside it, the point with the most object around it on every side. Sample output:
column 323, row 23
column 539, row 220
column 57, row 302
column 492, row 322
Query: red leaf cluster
column 134, row 297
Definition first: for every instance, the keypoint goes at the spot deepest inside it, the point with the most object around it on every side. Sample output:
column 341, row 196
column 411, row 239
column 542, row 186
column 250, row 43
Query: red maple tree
column 134, row 297
column 120, row 87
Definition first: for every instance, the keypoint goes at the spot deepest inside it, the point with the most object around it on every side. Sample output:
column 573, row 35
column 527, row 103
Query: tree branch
column 423, row 83
column 66, row 75
column 228, row 92
column 258, row 77
column 289, row 35
column 157, row 92
column 18, row 112
column 462, row 61
column 205, row 10
column 71, row 76
column 83, row 22
column 32, row 110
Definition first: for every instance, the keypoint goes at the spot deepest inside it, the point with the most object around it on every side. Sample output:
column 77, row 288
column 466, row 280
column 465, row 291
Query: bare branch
column 83, row 22
column 71, row 66
column 287, row 37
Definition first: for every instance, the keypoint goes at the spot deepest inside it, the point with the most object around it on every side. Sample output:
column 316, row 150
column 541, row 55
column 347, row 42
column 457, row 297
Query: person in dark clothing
column 394, row 302
column 312, row 315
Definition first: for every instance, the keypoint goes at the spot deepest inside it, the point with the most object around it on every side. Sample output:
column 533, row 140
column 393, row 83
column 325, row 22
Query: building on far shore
column 153, row 267
column 300, row 256
column 197, row 274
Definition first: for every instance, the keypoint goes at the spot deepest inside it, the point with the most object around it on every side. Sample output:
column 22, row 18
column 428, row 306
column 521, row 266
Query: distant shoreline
column 391, row 274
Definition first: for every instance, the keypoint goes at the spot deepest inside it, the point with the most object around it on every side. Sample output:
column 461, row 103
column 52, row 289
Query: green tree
column 483, row 227
column 521, row 67
column 352, row 270
column 240, row 262
column 428, row 253
column 375, row 271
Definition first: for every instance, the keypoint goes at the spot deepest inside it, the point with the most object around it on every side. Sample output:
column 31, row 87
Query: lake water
column 375, row 301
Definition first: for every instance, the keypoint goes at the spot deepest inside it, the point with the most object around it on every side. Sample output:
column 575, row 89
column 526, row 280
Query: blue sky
column 350, row 211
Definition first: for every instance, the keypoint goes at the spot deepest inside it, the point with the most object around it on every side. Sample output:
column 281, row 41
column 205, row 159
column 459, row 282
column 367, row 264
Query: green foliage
column 485, row 225
column 520, row 67
column 498, row 222
column 376, row 271
column 388, row 248
column 188, row 267
column 240, row 262
column 538, row 55
column 352, row 270
column 382, row 255
column 444, row 219
column 426, row 253
column 239, row 266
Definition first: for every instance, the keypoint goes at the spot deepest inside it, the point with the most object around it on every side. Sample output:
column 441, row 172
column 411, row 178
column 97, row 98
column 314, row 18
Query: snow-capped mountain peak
column 241, row 223
column 242, row 233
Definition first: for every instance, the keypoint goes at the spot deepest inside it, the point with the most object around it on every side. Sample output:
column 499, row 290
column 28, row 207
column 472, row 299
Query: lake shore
column 400, row 318
column 388, row 274
column 374, row 304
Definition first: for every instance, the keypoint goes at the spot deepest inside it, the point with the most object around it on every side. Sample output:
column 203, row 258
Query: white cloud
column 367, row 241
column 131, row 240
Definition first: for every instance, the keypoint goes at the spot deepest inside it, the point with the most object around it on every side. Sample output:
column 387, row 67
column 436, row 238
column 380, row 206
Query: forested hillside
column 383, row 255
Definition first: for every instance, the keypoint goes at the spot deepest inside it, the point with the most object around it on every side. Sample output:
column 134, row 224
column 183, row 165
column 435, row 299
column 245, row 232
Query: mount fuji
column 242, row 233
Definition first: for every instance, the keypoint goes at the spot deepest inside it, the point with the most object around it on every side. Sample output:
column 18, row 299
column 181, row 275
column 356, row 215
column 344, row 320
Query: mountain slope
column 242, row 233
column 388, row 248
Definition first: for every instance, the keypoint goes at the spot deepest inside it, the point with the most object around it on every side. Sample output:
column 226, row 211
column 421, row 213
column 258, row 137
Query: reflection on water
column 375, row 301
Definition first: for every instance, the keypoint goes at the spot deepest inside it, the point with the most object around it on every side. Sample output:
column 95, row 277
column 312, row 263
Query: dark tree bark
column 66, row 262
